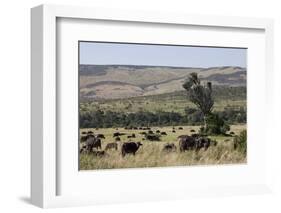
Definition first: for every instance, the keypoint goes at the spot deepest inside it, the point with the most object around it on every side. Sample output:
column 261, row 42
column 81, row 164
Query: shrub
column 240, row 142
column 215, row 125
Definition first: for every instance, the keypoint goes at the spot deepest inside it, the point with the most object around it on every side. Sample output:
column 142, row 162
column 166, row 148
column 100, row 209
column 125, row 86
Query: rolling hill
column 124, row 81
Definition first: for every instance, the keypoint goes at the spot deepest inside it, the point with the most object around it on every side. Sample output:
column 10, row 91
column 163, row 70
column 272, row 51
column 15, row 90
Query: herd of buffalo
column 92, row 143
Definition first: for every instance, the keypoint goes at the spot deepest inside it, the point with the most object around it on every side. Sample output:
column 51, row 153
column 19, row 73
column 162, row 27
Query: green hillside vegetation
column 165, row 109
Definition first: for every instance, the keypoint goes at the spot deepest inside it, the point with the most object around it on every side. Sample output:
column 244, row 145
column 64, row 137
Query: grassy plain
column 151, row 154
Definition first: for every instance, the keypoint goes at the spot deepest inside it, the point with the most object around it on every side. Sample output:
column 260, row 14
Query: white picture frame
column 44, row 149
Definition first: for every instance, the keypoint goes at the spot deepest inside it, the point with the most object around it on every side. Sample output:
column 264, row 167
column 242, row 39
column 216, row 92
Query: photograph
column 161, row 105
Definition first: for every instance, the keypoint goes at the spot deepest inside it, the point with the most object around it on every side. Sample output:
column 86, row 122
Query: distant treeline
column 192, row 116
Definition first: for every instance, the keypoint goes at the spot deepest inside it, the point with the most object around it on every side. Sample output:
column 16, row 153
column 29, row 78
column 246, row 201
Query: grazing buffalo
column 169, row 147
column 192, row 130
column 111, row 146
column 93, row 143
column 163, row 133
column 117, row 134
column 182, row 136
column 195, row 135
column 83, row 138
column 90, row 132
column 84, row 133
column 130, row 148
column 86, row 137
column 143, row 133
column 133, row 135
column 232, row 133
column 101, row 136
column 202, row 142
column 157, row 131
column 99, row 153
column 152, row 137
column 150, row 132
column 129, row 136
column 174, row 131
column 186, row 143
column 180, row 128
column 83, row 149
column 117, row 139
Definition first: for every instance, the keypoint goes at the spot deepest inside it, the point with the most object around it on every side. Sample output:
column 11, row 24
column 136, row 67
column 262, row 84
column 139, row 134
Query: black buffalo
column 152, row 137
column 101, row 136
column 117, row 134
column 186, row 143
column 86, row 137
column 163, row 133
column 93, row 143
column 169, row 147
column 111, row 146
column 202, row 142
column 99, row 153
column 130, row 148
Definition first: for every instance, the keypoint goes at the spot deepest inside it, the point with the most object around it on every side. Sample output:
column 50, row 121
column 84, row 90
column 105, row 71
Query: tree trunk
column 205, row 122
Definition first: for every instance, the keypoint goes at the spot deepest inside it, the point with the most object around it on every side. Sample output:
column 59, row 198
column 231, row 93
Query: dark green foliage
column 240, row 142
column 109, row 119
column 192, row 116
column 215, row 125
column 234, row 115
column 199, row 94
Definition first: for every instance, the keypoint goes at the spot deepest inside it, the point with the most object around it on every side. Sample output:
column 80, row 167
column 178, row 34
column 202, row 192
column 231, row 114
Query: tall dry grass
column 151, row 154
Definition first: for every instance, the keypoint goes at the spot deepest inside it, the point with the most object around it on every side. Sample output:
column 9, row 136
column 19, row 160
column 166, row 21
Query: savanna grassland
column 151, row 153
column 125, row 99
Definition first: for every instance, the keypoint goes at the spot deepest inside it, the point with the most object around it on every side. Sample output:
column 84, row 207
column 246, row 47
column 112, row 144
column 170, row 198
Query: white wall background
column 15, row 103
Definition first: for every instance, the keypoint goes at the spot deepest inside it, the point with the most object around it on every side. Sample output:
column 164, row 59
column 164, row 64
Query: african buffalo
column 101, row 136
column 202, row 142
column 152, row 137
column 116, row 134
column 130, row 148
column 93, row 143
column 163, row 133
column 111, row 146
column 169, row 147
column 99, row 153
column 86, row 137
column 186, row 143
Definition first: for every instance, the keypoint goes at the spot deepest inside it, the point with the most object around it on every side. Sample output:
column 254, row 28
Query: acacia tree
column 200, row 95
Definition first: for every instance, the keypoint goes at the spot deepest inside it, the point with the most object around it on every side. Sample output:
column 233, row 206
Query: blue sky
column 160, row 55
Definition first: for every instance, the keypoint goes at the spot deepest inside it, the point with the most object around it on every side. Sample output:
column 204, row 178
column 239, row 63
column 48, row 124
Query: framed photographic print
column 149, row 106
